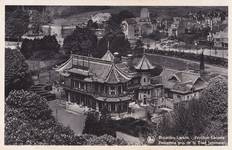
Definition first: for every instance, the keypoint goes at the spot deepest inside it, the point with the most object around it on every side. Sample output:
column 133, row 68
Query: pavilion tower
column 144, row 68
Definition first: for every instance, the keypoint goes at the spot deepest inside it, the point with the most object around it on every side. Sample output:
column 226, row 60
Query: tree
column 50, row 43
column 116, row 19
column 117, row 43
column 104, row 140
column 91, row 123
column 29, row 121
column 125, row 14
column 216, row 99
column 16, row 23
column 17, row 75
column 82, row 41
column 27, row 48
column 34, row 120
column 42, row 48
column 138, row 50
column 165, row 126
column 156, row 35
column 188, row 119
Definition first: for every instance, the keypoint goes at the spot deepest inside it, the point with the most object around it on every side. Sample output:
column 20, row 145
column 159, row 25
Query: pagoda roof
column 98, row 70
column 108, row 56
column 115, row 75
column 144, row 64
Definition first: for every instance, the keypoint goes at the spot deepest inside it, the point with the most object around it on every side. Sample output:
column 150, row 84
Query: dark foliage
column 116, row 19
column 29, row 121
column 216, row 99
column 156, row 35
column 188, row 119
column 48, row 44
column 117, row 43
column 16, row 23
column 138, row 50
column 129, row 126
column 17, row 75
column 82, row 41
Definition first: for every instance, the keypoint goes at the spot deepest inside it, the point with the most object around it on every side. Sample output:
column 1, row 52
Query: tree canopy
column 29, row 121
column 186, row 120
column 16, row 23
column 47, row 45
column 116, row 19
column 216, row 98
column 117, row 43
column 17, row 75
column 206, row 116
column 82, row 41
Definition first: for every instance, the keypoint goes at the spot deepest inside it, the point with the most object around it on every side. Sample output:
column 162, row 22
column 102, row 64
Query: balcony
column 93, row 92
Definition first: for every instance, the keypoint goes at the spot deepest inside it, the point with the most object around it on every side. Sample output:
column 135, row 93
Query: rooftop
column 108, row 56
column 182, row 81
column 99, row 70
column 144, row 64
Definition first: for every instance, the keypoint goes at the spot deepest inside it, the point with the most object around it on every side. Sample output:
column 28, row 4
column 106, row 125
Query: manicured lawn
column 75, row 121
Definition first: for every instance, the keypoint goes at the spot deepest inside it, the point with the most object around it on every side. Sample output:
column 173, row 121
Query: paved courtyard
column 76, row 121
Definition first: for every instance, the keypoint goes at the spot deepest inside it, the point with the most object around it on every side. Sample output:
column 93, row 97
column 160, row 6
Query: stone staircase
column 44, row 91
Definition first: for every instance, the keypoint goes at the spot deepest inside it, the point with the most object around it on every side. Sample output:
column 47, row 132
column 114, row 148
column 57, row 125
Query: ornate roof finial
column 108, row 45
column 108, row 55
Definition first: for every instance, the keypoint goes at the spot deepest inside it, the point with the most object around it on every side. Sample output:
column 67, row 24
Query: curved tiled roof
column 98, row 70
column 116, row 75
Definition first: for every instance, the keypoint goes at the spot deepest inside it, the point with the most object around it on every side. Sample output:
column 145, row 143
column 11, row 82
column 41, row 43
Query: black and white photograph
column 116, row 75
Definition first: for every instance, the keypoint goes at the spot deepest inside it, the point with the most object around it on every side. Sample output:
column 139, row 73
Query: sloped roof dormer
column 144, row 64
column 108, row 56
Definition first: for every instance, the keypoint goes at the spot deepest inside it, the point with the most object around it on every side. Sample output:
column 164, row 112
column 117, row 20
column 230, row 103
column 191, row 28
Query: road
column 208, row 52
column 174, row 61
column 75, row 121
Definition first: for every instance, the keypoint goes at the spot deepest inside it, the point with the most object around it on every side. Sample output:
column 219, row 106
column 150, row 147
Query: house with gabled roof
column 182, row 85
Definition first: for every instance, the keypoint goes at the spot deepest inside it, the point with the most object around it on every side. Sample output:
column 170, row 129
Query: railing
column 93, row 93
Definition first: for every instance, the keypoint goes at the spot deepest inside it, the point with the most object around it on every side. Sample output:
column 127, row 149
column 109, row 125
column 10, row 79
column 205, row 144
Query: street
column 74, row 120
column 180, row 64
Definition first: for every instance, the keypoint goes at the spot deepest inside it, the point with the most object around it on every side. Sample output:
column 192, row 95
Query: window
column 170, row 95
column 112, row 107
column 119, row 90
column 112, row 93
column 144, row 99
column 144, row 79
column 112, row 90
